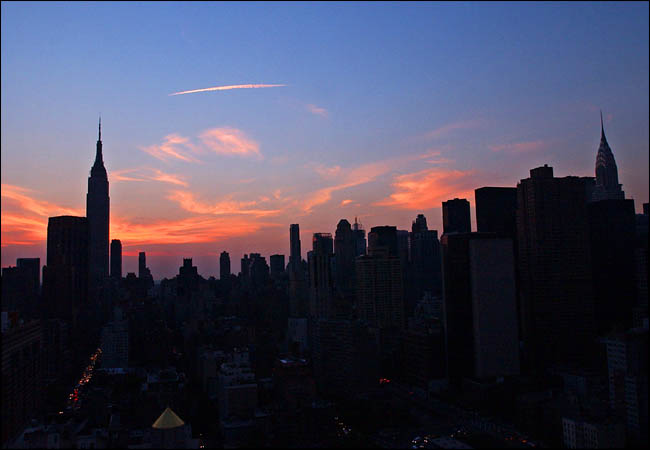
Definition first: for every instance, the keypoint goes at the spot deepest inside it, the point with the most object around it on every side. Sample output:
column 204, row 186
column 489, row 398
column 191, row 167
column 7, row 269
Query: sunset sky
column 322, row 112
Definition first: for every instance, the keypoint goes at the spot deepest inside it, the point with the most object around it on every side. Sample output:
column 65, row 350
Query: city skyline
column 186, row 184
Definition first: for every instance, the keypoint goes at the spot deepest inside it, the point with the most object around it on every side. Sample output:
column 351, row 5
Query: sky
column 379, row 111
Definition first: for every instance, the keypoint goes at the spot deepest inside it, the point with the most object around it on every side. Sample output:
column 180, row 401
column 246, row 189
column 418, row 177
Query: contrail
column 226, row 88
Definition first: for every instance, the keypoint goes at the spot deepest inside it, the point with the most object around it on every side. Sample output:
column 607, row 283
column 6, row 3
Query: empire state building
column 98, row 213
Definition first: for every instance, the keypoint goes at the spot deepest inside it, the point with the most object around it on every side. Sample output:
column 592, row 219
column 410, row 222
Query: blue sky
column 487, row 90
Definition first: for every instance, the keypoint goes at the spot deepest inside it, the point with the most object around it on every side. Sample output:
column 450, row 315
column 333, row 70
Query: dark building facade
column 455, row 216
column 345, row 253
column 425, row 259
column 321, row 280
column 116, row 259
column 359, row 238
column 612, row 234
column 496, row 211
column 98, row 214
column 557, row 301
column 65, row 277
column 277, row 265
column 294, row 239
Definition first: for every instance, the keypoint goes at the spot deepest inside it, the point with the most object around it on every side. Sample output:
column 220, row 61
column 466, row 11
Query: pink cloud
column 346, row 202
column 317, row 110
column 449, row 128
column 428, row 188
column 230, row 141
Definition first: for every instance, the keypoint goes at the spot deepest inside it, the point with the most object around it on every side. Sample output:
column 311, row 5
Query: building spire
column 100, row 128
column 602, row 128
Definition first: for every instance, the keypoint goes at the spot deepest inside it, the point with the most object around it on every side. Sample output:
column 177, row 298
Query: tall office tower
column 379, row 290
column 116, row 259
column 425, row 259
column 259, row 270
column 295, row 257
column 98, row 213
column 383, row 240
column 277, row 265
column 557, row 306
column 65, row 277
column 607, row 186
column 142, row 264
column 359, row 238
column 224, row 266
column 245, row 268
column 612, row 233
column 345, row 252
column 32, row 266
column 479, row 309
column 455, row 216
column 402, row 237
column 321, row 280
column 22, row 378
column 496, row 209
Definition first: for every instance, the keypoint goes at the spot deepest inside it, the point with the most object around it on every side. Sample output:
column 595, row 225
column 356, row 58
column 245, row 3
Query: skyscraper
column 455, row 216
column 116, row 259
column 295, row 256
column 224, row 266
column 98, row 213
column 557, row 301
column 607, row 186
column 425, row 259
column 344, row 250
column 359, row 238
column 65, row 277
column 277, row 265
column 480, row 312
column 321, row 280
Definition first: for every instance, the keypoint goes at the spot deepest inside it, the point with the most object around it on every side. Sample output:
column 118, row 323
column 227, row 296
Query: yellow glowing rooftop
column 168, row 419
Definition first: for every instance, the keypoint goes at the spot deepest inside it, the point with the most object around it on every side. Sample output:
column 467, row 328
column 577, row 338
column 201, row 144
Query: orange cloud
column 317, row 110
column 188, row 202
column 429, row 188
column 147, row 174
column 519, row 147
column 174, row 147
column 346, row 202
column 230, row 141
column 20, row 198
column 183, row 231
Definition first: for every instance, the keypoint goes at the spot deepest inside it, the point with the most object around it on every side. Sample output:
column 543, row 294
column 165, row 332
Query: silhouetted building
column 65, row 277
column 245, row 268
column 22, row 377
column 142, row 264
column 480, row 312
column 115, row 344
column 277, row 265
column 259, row 270
column 425, row 260
column 607, row 186
column 359, row 238
column 557, row 301
column 20, row 287
column 379, row 291
column 321, row 281
column 455, row 216
column 98, row 214
column 345, row 252
column 612, row 232
column 116, row 259
column 295, row 256
column 496, row 211
column 383, row 240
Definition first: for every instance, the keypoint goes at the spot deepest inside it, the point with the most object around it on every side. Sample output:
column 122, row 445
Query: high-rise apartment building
column 224, row 266
column 321, row 280
column 345, row 253
column 557, row 300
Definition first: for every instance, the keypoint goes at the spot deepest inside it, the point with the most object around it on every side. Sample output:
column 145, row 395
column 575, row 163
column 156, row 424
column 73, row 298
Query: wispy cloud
column 519, row 147
column 230, row 141
column 451, row 127
column 174, row 146
column 24, row 200
column 317, row 110
column 428, row 188
column 187, row 201
column 346, row 202
column 227, row 88
column 224, row 141
column 147, row 174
